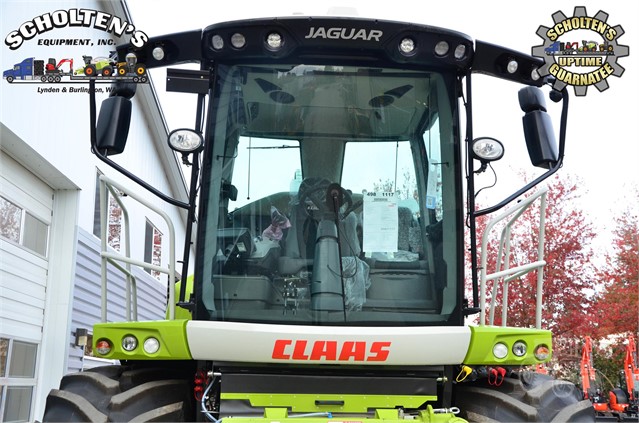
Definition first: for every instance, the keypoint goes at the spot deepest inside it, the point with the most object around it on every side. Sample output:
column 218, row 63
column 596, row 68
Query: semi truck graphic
column 32, row 69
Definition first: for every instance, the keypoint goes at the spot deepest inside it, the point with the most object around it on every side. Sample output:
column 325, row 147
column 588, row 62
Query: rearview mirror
column 538, row 130
column 112, row 128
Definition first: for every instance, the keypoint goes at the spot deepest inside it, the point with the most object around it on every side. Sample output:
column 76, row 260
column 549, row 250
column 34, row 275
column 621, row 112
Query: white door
column 26, row 204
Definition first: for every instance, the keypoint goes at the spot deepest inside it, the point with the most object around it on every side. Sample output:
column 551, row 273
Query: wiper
column 280, row 147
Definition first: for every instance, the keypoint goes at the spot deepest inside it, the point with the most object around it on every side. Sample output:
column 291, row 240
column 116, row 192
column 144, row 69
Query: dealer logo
column 47, row 69
column 581, row 50
column 87, row 18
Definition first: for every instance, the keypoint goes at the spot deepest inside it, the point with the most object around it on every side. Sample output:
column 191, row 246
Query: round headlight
column 217, row 42
column 500, row 350
column 238, row 40
column 460, row 52
column 158, row 53
column 185, row 140
column 274, row 40
column 534, row 74
column 520, row 349
column 441, row 48
column 542, row 352
column 512, row 66
column 407, row 45
column 151, row 345
column 103, row 347
column 129, row 343
column 488, row 149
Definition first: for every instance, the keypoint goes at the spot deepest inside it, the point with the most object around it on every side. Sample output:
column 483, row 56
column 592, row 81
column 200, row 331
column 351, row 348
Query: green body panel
column 386, row 415
column 483, row 338
column 170, row 333
column 305, row 403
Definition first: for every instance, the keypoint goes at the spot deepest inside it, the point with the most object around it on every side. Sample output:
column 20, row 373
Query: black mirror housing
column 540, row 139
column 538, row 129
column 112, row 128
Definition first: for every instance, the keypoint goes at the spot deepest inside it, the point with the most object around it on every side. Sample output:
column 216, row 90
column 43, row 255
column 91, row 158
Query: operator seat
column 299, row 249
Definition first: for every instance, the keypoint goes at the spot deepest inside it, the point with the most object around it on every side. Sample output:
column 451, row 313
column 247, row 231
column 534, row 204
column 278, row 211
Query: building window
column 153, row 248
column 17, row 379
column 20, row 226
column 96, row 207
column 114, row 222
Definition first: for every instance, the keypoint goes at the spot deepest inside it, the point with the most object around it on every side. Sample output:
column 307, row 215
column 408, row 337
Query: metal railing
column 123, row 261
column 508, row 273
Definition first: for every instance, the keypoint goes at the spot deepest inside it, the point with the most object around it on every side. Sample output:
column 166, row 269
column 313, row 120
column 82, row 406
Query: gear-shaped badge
column 580, row 51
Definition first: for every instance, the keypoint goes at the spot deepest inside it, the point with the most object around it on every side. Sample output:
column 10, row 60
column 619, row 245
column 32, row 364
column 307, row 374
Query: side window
column 153, row 248
column 20, row 226
column 17, row 378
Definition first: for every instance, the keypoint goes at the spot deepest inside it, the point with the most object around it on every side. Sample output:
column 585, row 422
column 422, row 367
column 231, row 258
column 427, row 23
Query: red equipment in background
column 56, row 68
column 630, row 376
column 589, row 386
column 622, row 401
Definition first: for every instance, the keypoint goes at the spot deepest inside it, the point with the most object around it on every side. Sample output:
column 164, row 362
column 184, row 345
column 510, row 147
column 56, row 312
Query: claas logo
column 289, row 349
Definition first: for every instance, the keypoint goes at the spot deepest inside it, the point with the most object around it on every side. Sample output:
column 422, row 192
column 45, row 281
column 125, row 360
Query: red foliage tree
column 618, row 306
column 569, row 275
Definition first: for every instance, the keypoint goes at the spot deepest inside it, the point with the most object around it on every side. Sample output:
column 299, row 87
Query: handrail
column 131, row 286
column 114, row 258
column 503, row 256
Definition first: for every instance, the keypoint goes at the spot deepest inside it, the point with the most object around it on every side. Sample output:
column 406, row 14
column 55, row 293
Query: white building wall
column 48, row 134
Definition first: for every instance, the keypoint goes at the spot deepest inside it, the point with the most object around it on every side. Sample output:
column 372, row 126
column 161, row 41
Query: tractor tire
column 90, row 70
column 140, row 69
column 107, row 71
column 526, row 396
column 120, row 394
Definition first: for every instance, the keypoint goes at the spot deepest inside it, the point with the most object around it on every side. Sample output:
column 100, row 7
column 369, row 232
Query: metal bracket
column 187, row 81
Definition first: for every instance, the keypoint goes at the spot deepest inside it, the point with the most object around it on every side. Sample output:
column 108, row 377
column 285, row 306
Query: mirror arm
column 551, row 171
column 102, row 155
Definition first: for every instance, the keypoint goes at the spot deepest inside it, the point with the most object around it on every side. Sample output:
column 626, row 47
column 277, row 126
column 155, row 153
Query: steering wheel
column 320, row 199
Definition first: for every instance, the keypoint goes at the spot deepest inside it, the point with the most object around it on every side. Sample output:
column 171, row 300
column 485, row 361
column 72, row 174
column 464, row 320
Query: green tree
column 608, row 361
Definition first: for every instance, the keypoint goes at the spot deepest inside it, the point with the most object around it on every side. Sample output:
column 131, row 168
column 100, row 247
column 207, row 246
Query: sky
column 602, row 145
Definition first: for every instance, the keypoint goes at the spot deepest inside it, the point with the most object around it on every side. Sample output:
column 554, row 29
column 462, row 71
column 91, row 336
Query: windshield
column 330, row 196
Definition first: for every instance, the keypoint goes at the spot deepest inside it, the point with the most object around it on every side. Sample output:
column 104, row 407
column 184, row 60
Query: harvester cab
column 331, row 183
